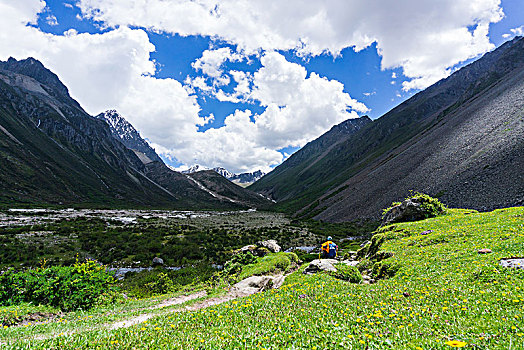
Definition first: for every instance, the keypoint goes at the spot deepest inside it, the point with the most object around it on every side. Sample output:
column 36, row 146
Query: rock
column 426, row 232
column 270, row 244
column 484, row 251
column 247, row 248
column 157, row 261
column 318, row 265
column 516, row 263
column 411, row 209
column 256, row 284
column 350, row 262
column 406, row 294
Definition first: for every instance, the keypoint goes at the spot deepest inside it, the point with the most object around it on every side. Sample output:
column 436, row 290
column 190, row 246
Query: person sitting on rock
column 328, row 249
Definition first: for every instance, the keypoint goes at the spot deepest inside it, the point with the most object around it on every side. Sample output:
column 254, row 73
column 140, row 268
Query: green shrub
column 431, row 206
column 161, row 285
column 385, row 269
column 234, row 266
column 293, row 257
column 269, row 264
column 67, row 287
column 161, row 281
column 304, row 256
column 381, row 255
column 363, row 252
column 347, row 273
column 364, row 264
column 282, row 262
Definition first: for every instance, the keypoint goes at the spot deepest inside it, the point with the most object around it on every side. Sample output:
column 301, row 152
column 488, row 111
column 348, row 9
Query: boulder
column 253, row 249
column 247, row 248
column 516, row 263
column 270, row 244
column 157, row 261
column 319, row 265
column 256, row 284
column 411, row 209
column 484, row 251
column 350, row 262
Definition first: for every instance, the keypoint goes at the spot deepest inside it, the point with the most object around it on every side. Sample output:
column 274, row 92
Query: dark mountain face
column 227, row 190
column 292, row 177
column 53, row 152
column 460, row 139
column 123, row 131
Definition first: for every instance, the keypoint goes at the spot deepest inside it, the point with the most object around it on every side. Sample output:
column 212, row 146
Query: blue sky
column 240, row 85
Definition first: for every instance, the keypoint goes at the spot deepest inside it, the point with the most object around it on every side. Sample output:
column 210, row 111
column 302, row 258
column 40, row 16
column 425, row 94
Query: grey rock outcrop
column 256, row 284
column 319, row 265
column 270, row 244
column 515, row 263
column 328, row 265
column 158, row 261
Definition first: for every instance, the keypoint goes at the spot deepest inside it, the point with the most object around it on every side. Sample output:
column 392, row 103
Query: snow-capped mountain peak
column 194, row 169
column 127, row 134
column 239, row 179
column 224, row 172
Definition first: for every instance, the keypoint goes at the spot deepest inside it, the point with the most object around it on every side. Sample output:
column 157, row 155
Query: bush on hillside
column 304, row 256
column 234, row 266
column 347, row 273
column 418, row 206
column 385, row 269
column 364, row 265
column 79, row 286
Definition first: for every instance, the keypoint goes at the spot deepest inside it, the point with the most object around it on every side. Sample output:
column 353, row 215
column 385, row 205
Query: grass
column 444, row 293
column 24, row 313
column 270, row 264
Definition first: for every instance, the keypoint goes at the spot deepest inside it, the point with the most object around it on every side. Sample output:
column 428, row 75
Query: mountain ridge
column 344, row 176
column 53, row 153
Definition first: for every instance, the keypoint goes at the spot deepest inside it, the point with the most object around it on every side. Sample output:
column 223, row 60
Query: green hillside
column 444, row 294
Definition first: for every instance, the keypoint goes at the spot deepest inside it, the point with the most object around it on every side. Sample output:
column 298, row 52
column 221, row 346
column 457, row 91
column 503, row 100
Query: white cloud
column 514, row 32
column 102, row 71
column 51, row 20
column 298, row 109
column 212, row 60
column 424, row 37
column 114, row 70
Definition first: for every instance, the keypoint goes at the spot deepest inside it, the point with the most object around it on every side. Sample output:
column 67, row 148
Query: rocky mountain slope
column 460, row 139
column 53, row 152
column 227, row 190
column 128, row 135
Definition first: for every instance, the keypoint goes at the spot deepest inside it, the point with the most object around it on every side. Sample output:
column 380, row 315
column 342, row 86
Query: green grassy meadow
column 444, row 295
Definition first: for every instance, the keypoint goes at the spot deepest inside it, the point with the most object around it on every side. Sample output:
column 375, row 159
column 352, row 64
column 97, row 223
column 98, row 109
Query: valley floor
column 445, row 294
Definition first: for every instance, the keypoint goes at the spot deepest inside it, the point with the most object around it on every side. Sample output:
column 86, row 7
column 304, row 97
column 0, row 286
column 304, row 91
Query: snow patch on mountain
column 243, row 179
column 127, row 134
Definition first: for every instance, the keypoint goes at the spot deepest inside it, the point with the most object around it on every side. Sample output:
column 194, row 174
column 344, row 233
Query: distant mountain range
column 53, row 152
column 242, row 179
column 461, row 139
